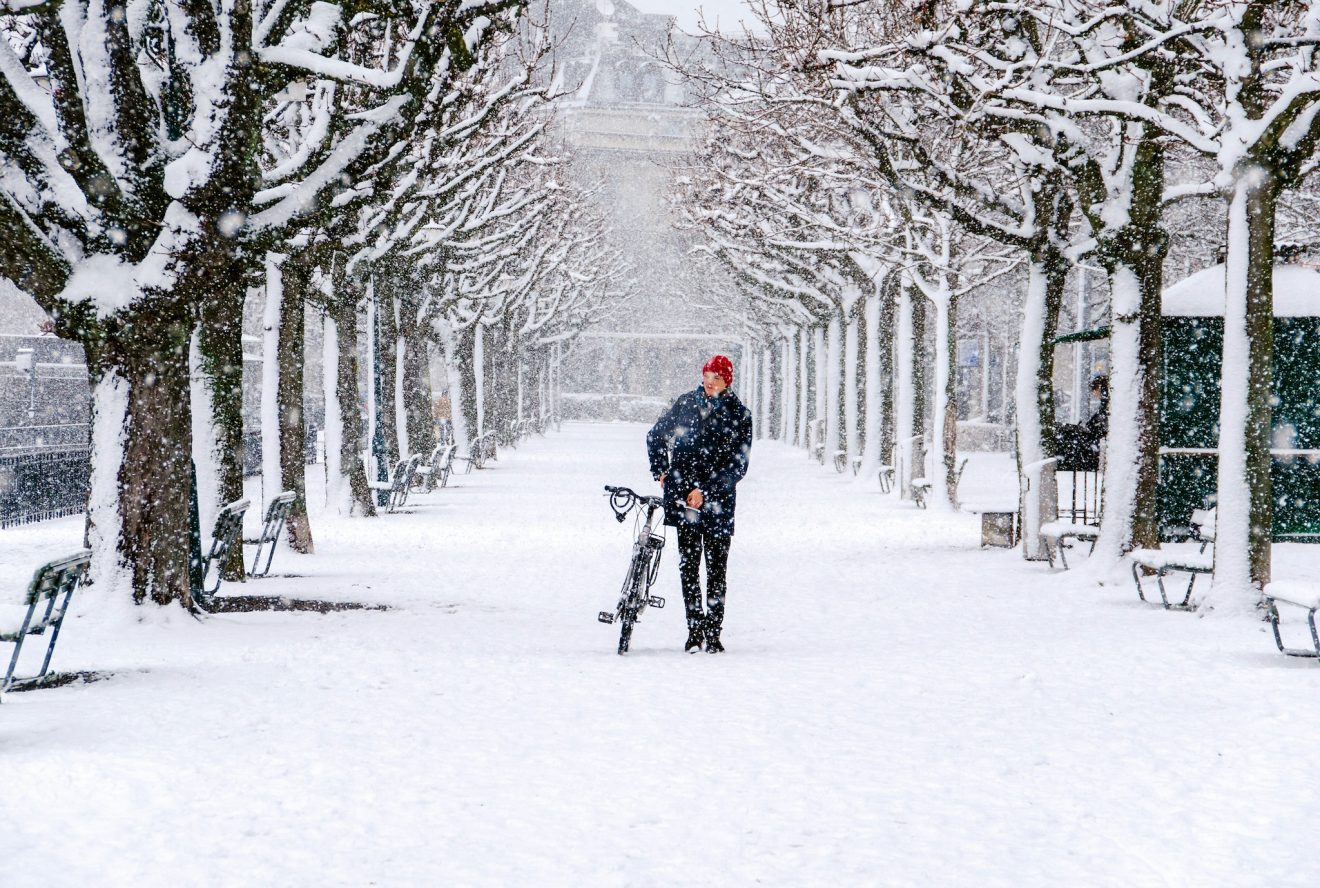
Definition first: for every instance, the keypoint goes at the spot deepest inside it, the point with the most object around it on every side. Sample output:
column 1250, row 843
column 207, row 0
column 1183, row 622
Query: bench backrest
column 58, row 576
column 277, row 512
column 51, row 581
column 228, row 527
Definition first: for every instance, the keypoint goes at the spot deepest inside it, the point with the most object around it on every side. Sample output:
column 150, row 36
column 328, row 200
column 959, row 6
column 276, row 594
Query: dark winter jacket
column 702, row 445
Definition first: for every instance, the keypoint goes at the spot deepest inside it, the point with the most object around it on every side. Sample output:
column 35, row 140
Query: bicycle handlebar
column 622, row 500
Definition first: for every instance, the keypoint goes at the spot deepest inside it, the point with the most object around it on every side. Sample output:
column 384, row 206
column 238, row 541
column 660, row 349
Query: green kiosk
column 1189, row 416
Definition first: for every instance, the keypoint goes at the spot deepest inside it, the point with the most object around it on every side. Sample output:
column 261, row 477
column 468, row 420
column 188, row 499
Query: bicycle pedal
column 605, row 617
column 656, row 601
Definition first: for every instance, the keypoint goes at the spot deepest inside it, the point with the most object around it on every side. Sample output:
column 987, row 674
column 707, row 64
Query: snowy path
column 896, row 708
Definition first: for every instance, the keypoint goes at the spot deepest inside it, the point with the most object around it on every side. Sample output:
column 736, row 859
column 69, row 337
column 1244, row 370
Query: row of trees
column 165, row 163
column 875, row 162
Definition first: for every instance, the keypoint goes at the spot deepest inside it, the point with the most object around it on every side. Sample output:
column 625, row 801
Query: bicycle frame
column 644, row 565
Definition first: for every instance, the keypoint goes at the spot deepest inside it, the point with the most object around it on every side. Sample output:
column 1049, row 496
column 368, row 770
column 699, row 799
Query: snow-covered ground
column 896, row 707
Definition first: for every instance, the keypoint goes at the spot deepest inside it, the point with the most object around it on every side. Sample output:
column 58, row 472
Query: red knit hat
column 721, row 366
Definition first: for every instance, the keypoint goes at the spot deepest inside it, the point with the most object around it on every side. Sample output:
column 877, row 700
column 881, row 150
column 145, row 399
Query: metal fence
column 46, row 484
column 54, row 481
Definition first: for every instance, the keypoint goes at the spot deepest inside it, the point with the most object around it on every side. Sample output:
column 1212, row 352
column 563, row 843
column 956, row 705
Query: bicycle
column 635, row 596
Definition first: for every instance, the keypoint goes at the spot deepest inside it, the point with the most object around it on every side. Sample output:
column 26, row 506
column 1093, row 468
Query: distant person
column 1079, row 445
column 698, row 452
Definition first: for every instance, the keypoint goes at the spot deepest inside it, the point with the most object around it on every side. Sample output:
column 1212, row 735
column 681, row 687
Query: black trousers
column 691, row 542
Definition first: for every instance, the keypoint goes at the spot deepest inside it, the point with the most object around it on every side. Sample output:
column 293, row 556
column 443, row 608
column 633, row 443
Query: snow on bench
column 1300, row 595
column 998, row 522
column 1059, row 532
column 1188, row 558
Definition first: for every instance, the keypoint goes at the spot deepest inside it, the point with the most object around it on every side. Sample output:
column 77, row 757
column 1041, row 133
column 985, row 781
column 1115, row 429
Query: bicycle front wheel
column 631, row 602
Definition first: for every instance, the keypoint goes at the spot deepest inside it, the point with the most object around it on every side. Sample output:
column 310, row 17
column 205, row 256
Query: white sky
column 728, row 12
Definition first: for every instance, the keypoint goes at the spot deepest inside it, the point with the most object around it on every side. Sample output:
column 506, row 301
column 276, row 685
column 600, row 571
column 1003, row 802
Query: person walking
column 698, row 452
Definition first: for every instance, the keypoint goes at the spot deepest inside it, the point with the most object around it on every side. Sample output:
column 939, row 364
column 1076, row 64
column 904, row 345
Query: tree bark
column 1245, row 500
column 387, row 362
column 154, row 474
column 293, row 463
column 220, row 343
column 350, row 408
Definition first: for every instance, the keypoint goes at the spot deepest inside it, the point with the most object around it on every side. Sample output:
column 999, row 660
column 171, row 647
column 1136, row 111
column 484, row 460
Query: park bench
column 277, row 513
column 398, row 484
column 1189, row 558
column 886, row 475
column 1298, row 595
column 921, row 487
column 226, row 535
column 436, row 470
column 999, row 525
column 483, row 450
column 53, row 586
column 1079, row 516
column 1059, row 533
column 920, row 490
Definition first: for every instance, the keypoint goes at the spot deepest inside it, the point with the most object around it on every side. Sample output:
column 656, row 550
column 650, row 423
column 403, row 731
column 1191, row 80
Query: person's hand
column 661, row 479
column 695, row 499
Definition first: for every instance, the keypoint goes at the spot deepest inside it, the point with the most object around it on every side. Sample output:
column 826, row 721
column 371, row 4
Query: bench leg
column 1159, row 578
column 1273, row 614
column 18, row 647
column 1136, row 577
column 55, row 632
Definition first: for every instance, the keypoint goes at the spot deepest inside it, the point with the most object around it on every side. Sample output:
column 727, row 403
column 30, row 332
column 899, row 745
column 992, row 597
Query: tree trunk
column 271, row 420
column 143, row 407
column 803, row 388
column 1245, row 501
column 349, row 399
column 851, row 390
column 905, row 395
column 919, row 428
column 945, row 415
column 1047, row 274
column 293, row 462
column 220, row 347
column 387, row 362
column 885, row 356
column 417, row 394
column 833, row 385
column 819, row 380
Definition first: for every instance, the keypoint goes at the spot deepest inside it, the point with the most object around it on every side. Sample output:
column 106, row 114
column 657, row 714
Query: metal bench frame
column 1162, row 570
column 400, row 483
column 53, row 583
column 1087, row 533
column 227, row 534
column 437, row 470
column 1272, row 611
column 277, row 513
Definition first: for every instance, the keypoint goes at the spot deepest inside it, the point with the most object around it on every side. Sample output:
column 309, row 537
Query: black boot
column 713, row 645
column 695, row 637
